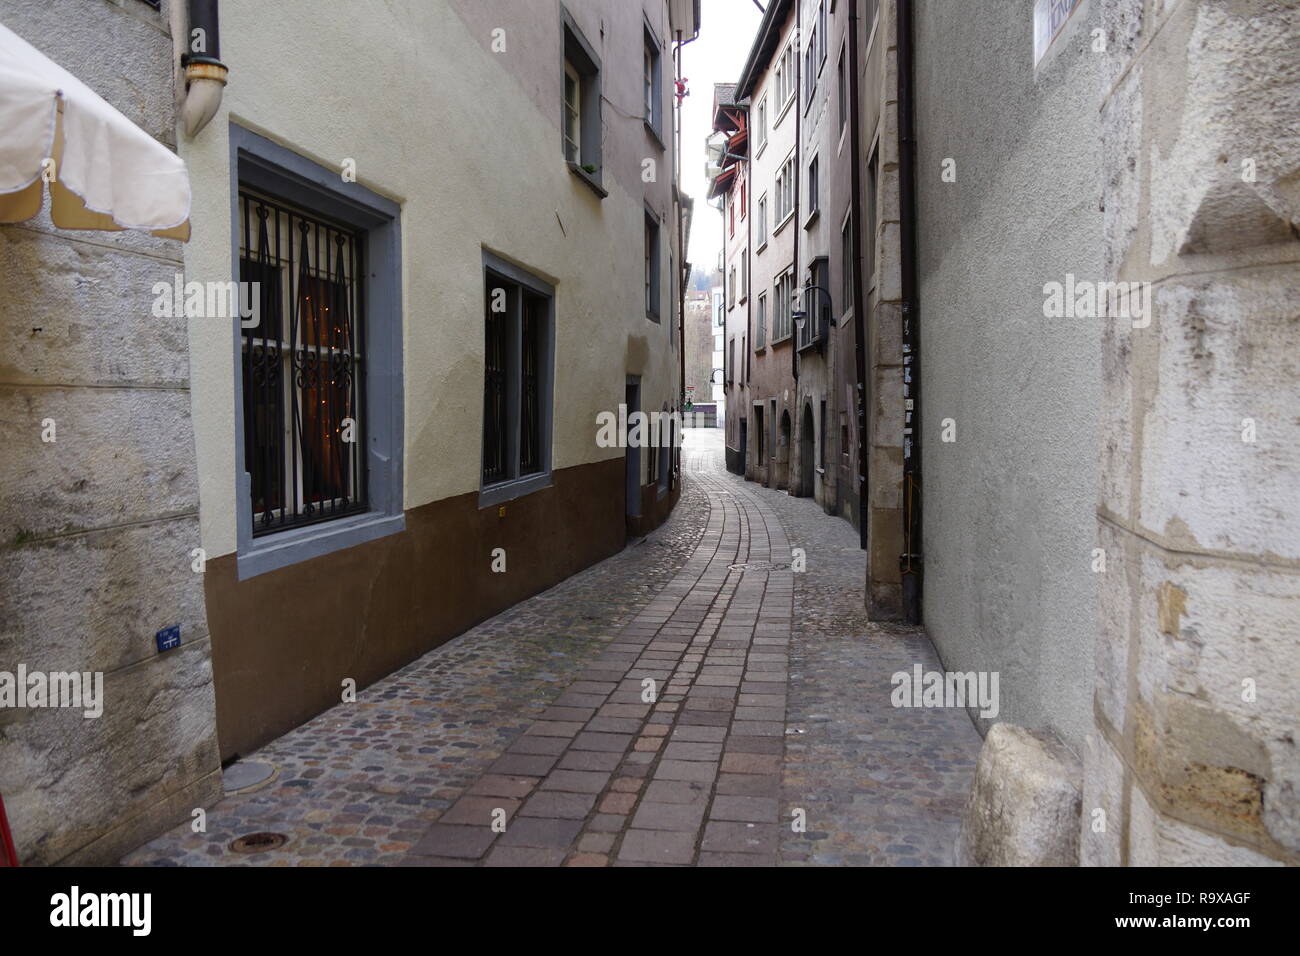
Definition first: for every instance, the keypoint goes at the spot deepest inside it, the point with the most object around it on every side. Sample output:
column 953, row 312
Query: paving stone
column 744, row 808
column 657, row 846
column 668, row 816
column 457, row 842
column 556, row 805
column 541, row 832
column 696, row 770
column 739, row 837
column 524, row 856
column 576, row 781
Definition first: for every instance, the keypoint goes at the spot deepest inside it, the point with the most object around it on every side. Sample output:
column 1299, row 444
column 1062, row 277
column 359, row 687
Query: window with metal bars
column 303, row 364
column 517, row 379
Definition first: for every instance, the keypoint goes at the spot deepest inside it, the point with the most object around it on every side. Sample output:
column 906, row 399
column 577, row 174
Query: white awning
column 106, row 172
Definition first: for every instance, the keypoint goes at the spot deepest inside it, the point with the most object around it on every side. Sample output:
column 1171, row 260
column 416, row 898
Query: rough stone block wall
column 1194, row 760
column 97, row 526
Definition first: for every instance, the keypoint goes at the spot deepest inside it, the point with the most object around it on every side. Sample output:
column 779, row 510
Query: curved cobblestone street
column 528, row 741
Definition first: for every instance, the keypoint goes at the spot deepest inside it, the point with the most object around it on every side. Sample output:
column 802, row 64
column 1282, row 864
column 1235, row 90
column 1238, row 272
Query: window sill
column 789, row 100
column 812, row 218
column 781, row 225
column 761, row 247
column 653, row 317
column 589, row 178
column 782, row 340
column 272, row 552
column 760, row 350
column 655, row 134
column 510, row 490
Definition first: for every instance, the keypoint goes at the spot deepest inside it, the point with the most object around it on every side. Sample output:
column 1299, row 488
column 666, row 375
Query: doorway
column 632, row 455
column 744, row 444
column 807, row 455
column 782, row 482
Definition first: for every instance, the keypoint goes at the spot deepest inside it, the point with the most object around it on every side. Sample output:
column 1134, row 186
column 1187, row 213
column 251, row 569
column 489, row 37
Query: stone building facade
column 1194, row 758
column 816, row 248
column 1110, row 486
column 99, row 489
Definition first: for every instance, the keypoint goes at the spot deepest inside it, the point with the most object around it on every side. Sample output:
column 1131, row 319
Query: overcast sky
column 727, row 30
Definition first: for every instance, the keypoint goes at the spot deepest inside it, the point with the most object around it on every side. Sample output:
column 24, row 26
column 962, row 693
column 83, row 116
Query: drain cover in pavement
column 258, row 842
column 759, row 566
column 244, row 774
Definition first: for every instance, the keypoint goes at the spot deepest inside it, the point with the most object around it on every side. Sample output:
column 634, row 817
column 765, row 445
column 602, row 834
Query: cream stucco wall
column 467, row 142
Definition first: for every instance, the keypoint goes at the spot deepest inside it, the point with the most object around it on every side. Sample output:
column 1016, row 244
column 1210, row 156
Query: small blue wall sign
column 168, row 638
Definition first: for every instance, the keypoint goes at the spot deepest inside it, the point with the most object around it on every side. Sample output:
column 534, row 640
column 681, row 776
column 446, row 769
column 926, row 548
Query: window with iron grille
column 303, row 366
column 318, row 387
column 518, row 326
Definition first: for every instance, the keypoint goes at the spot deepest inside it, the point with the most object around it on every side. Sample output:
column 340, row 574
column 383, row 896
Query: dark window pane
column 495, row 420
column 530, row 413
column 303, row 371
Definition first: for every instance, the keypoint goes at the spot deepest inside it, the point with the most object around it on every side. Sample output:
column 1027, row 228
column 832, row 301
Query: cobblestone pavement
column 662, row 707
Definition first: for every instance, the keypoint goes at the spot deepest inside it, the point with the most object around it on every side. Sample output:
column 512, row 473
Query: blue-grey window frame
column 655, row 121
column 507, row 490
column 257, row 162
column 576, row 50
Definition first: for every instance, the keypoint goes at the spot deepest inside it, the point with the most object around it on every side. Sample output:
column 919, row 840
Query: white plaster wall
column 467, row 141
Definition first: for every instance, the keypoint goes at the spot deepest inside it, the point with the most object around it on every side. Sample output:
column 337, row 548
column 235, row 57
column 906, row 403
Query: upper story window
column 814, row 188
column 518, row 380
column 760, row 125
column 846, row 264
column 760, row 221
column 580, row 109
column 842, row 90
column 783, row 77
column 784, row 190
column 652, row 83
column 782, row 305
column 760, row 322
column 869, row 246
column 651, row 267
column 810, row 60
column 572, row 115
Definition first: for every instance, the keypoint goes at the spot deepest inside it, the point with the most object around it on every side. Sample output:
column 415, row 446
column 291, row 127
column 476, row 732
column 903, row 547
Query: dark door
column 744, row 444
column 807, row 451
column 632, row 457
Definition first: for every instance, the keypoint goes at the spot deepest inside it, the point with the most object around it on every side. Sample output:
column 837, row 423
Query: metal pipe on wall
column 859, row 299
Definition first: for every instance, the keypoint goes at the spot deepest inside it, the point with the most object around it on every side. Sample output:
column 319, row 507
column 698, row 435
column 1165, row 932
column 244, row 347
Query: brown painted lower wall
column 654, row 509
column 283, row 642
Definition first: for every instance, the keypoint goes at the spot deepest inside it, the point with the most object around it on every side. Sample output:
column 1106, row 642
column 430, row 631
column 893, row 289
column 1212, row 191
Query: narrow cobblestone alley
column 772, row 696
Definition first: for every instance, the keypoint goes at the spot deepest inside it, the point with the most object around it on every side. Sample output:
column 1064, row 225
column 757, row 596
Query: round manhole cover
column 244, row 774
column 759, row 566
column 258, row 842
